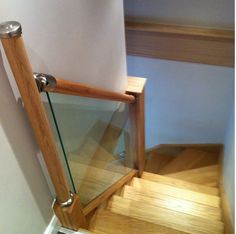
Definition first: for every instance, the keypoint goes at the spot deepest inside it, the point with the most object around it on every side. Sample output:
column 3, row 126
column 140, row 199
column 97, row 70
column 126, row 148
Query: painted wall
column 185, row 102
column 229, row 161
column 25, row 199
column 79, row 40
column 209, row 13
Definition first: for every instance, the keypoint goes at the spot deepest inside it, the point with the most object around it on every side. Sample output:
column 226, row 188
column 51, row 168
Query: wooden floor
column 182, row 198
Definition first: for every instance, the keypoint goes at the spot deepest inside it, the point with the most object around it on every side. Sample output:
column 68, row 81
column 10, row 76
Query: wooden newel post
column 137, row 118
column 10, row 35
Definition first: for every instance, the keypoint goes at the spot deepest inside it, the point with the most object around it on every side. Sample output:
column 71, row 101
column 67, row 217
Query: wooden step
column 91, row 181
column 190, row 159
column 112, row 223
column 155, row 162
column 171, row 203
column 180, row 183
column 208, row 176
column 185, row 194
column 164, row 217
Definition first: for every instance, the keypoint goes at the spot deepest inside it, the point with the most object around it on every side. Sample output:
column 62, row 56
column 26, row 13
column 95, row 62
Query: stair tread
column 164, row 217
column 205, row 175
column 180, row 183
column 91, row 181
column 190, row 159
column 189, row 195
column 172, row 203
column 155, row 162
column 110, row 223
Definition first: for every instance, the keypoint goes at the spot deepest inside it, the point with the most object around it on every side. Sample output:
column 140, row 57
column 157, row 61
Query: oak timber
column 190, row 159
column 227, row 216
column 112, row 223
column 135, row 84
column 164, row 217
column 181, row 43
column 208, row 176
column 137, row 121
column 180, row 183
column 111, row 190
column 155, row 162
column 78, row 89
column 189, row 195
column 91, row 181
column 172, row 203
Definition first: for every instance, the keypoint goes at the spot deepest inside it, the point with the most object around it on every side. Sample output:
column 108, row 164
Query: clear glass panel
column 95, row 137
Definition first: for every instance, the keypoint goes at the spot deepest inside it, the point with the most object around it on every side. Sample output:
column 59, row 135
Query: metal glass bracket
column 44, row 80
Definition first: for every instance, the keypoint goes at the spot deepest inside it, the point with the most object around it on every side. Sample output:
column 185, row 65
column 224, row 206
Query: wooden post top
column 135, row 84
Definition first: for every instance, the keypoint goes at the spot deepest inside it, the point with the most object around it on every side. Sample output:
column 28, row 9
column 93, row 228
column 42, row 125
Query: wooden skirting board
column 207, row 147
column 181, row 43
column 227, row 217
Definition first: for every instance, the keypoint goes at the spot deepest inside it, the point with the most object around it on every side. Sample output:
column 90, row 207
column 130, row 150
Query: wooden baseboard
column 226, row 214
column 180, row 43
column 216, row 148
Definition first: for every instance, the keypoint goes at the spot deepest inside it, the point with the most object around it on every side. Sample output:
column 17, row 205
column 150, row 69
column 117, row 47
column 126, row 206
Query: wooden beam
column 181, row 43
column 137, row 121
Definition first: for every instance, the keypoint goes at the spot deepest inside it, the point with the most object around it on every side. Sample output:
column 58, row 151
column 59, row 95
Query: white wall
column 229, row 161
column 185, row 102
column 80, row 40
column 209, row 13
column 25, row 199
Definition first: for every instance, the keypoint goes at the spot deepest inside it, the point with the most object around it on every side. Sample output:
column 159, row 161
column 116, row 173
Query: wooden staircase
column 183, row 199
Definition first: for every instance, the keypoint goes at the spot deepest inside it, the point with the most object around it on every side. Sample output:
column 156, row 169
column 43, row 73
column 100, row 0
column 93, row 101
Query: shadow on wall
column 16, row 127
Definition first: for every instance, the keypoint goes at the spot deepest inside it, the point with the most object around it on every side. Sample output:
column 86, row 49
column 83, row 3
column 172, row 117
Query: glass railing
column 93, row 137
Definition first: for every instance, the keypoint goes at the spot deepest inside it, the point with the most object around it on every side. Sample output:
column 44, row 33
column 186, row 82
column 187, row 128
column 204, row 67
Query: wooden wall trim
column 226, row 212
column 181, row 43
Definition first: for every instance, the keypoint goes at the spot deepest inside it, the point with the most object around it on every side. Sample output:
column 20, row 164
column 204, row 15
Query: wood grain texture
column 181, row 43
column 71, row 217
column 155, row 162
column 90, row 181
column 135, row 84
column 137, row 123
column 208, row 176
column 112, row 223
column 106, row 194
column 227, row 217
column 23, row 74
column 165, row 217
column 78, row 89
column 214, row 148
column 172, row 203
column 190, row 159
column 185, row 194
column 180, row 183
column 136, row 87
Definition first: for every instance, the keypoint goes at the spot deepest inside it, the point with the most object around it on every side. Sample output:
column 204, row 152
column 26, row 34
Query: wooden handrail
column 78, row 89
